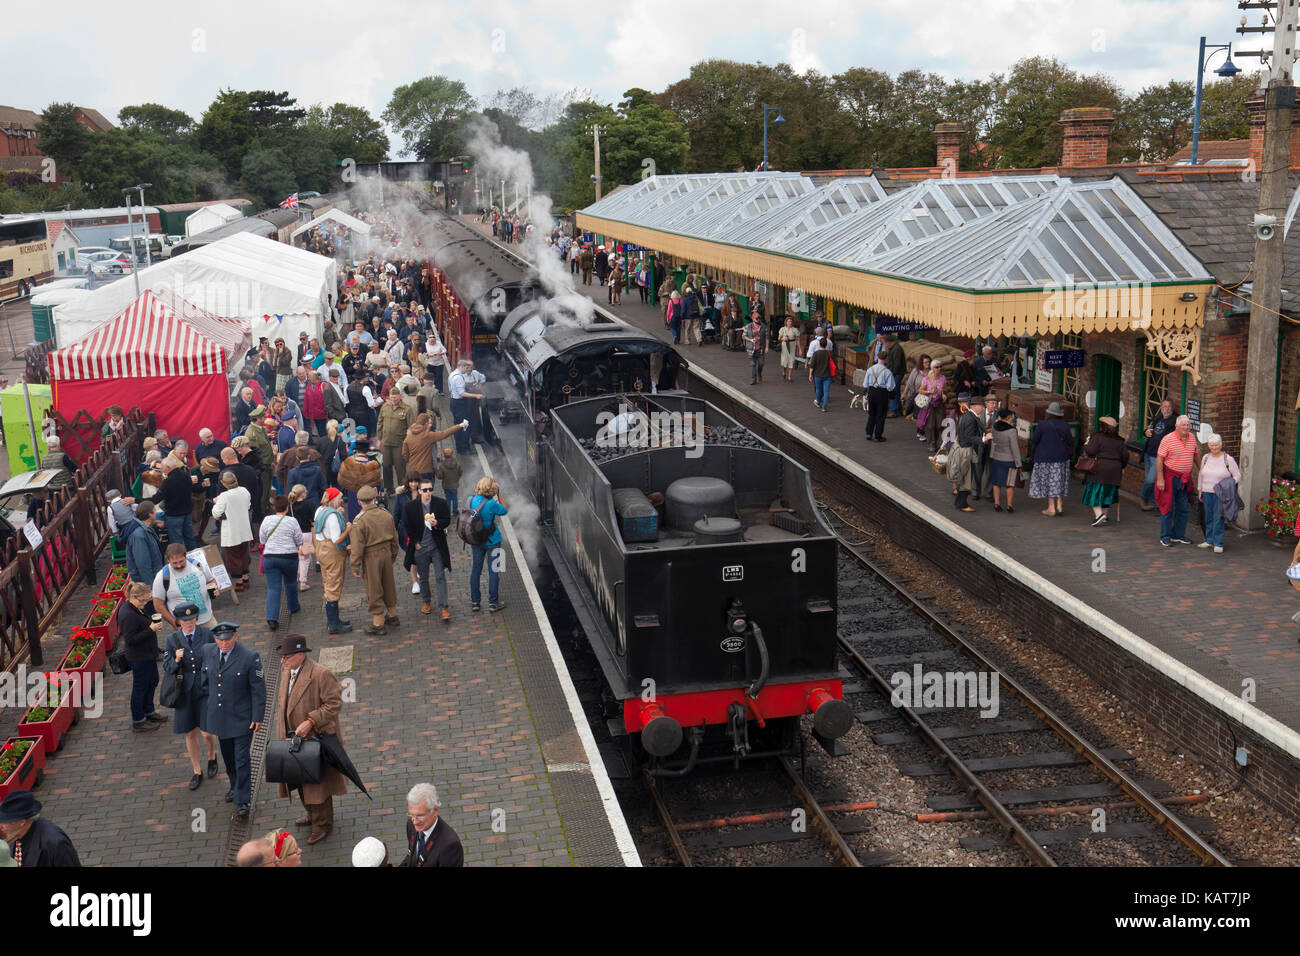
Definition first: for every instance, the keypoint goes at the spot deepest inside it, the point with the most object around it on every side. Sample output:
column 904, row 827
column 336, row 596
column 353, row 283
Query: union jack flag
column 290, row 203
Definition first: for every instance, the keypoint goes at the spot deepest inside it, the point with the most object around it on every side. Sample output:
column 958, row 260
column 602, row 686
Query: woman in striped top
column 281, row 538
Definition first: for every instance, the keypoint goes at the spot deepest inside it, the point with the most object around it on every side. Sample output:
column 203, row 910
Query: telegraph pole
column 1260, row 400
column 595, row 132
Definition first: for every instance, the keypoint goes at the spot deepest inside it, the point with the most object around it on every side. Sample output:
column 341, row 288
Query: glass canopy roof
column 977, row 233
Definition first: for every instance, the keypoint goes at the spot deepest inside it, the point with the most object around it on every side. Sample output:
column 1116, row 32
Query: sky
column 107, row 56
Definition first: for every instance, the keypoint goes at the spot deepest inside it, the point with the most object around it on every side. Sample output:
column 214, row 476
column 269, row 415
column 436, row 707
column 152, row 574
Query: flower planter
column 27, row 773
column 102, row 619
column 86, row 655
column 114, row 586
column 52, row 727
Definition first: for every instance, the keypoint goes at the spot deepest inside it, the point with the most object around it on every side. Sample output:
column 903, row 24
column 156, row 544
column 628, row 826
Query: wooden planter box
column 108, row 630
column 29, row 772
column 53, row 730
column 116, row 593
column 94, row 661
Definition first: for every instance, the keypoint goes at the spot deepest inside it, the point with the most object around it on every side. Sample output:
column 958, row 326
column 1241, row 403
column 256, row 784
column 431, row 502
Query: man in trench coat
column 307, row 704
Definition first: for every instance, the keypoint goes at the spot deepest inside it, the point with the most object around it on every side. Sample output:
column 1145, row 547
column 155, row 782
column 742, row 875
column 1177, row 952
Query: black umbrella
column 334, row 754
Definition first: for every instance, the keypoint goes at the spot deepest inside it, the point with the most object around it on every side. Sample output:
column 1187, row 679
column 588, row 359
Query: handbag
column 1086, row 464
column 294, row 761
column 172, row 691
column 834, row 371
column 1293, row 575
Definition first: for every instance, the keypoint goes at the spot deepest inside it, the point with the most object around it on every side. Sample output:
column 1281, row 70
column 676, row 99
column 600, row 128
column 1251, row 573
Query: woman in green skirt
column 1101, row 487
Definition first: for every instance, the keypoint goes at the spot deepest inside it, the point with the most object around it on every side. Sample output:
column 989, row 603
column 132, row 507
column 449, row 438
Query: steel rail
column 819, row 818
column 1163, row 816
column 674, row 837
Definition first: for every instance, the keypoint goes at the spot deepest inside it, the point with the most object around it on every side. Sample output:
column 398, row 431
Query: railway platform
column 1218, row 625
column 482, row 707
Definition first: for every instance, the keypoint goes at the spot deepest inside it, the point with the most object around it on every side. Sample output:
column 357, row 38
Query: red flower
column 8, row 746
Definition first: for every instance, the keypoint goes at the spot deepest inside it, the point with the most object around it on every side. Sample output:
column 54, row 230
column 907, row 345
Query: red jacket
column 313, row 401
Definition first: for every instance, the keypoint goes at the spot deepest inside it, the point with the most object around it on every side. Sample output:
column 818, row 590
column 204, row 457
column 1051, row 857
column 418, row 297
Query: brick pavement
column 432, row 702
column 1226, row 616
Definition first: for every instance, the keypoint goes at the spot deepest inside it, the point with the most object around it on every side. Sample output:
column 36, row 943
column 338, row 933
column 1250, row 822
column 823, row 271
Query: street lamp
column 1227, row 71
column 776, row 122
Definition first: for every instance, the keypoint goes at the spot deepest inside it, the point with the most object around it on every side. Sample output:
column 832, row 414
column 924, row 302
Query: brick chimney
column 947, row 141
column 1255, row 110
column 1087, row 136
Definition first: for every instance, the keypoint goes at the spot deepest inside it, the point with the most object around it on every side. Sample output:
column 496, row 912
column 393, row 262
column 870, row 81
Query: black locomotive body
column 691, row 549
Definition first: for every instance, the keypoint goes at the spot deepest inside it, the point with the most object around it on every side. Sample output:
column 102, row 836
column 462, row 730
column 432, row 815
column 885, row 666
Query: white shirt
column 343, row 376
column 333, row 530
column 184, row 587
column 813, row 346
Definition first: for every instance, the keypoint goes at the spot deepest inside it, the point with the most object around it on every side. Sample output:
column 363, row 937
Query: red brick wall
column 1086, row 136
column 1221, row 390
column 1288, row 388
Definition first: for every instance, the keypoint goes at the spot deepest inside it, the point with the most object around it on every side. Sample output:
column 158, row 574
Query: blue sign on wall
column 588, row 237
column 1063, row 358
column 886, row 326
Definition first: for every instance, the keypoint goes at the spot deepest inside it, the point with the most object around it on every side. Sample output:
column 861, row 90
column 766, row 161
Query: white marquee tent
column 334, row 215
column 209, row 217
column 275, row 289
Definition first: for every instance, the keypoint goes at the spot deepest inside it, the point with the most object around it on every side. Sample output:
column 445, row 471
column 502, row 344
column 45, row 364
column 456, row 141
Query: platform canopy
column 977, row 255
column 334, row 215
column 276, row 290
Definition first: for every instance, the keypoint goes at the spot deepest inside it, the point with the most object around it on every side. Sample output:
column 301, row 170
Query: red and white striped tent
column 161, row 353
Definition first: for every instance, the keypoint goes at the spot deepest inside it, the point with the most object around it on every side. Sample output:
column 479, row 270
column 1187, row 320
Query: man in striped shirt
column 1176, row 461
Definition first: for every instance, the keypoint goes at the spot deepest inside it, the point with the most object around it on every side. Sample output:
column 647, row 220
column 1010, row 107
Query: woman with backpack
column 478, row 528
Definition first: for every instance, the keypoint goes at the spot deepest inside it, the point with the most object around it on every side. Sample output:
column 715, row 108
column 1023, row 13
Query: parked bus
column 26, row 259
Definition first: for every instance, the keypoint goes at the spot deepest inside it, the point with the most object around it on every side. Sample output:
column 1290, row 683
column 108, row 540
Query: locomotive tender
column 692, row 550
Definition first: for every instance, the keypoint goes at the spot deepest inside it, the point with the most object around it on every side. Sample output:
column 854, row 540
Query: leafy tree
column 1027, row 131
column 62, row 136
column 119, row 158
column 1156, row 123
column 643, row 132
column 568, row 160
column 1223, row 106
column 226, row 130
column 267, row 175
column 430, row 115
column 355, row 134
column 175, row 126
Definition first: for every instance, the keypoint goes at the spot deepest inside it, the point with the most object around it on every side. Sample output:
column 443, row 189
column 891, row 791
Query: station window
column 1158, row 382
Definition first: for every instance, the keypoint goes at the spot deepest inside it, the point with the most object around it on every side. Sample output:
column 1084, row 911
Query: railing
column 35, row 586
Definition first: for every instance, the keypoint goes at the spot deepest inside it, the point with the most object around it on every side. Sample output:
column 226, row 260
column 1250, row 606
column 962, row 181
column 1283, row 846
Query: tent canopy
column 157, row 334
column 334, row 215
column 208, row 216
column 273, row 288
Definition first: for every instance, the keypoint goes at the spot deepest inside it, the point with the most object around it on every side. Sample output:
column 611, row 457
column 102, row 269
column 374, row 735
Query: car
column 175, row 240
column 88, row 254
column 309, row 194
column 116, row 266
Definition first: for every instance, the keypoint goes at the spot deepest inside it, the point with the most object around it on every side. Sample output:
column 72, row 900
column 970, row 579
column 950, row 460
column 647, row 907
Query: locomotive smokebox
column 687, row 500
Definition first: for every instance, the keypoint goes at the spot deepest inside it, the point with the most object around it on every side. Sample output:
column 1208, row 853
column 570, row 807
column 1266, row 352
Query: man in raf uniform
column 307, row 704
column 32, row 840
column 374, row 549
column 429, row 841
column 236, row 704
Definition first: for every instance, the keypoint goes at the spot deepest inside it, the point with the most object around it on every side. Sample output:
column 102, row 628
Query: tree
column 226, row 130
column 267, row 175
column 644, row 140
column 430, row 115
column 568, row 161
column 119, row 158
column 355, row 134
column 1223, row 106
column 1027, row 131
column 1156, row 123
column 62, row 136
column 175, row 126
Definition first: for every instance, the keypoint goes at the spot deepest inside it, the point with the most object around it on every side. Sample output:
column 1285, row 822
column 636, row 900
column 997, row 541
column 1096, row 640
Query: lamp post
column 776, row 122
column 130, row 225
column 1228, row 70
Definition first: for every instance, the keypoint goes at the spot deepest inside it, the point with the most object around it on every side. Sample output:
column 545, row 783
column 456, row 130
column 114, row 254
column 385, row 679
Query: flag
column 290, row 203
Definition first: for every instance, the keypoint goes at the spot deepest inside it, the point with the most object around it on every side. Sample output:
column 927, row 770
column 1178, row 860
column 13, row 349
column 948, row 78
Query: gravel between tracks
column 1245, row 832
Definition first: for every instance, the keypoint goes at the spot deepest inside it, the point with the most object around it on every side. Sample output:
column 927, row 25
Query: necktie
column 224, row 658
column 18, row 852
column 419, row 847
column 293, row 679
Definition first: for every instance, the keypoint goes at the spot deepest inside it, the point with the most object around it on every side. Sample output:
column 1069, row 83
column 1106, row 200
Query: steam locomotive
column 691, row 549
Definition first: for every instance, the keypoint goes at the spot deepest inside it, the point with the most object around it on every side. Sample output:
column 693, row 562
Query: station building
column 1145, row 269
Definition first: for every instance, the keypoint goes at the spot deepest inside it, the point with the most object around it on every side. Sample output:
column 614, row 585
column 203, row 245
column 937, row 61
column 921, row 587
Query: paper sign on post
column 209, row 558
column 33, row 534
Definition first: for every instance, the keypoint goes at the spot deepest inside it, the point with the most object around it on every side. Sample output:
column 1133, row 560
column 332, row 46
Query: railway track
column 771, row 823
column 1019, row 766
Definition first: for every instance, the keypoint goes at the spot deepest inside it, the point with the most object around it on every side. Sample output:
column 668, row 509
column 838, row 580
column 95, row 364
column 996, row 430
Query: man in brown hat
column 374, row 549
column 307, row 705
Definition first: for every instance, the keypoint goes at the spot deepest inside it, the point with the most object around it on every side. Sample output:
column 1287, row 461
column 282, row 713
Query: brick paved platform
column 473, row 706
column 1226, row 617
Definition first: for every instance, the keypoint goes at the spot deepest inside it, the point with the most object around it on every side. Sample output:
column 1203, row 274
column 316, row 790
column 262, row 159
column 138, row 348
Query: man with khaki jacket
column 373, row 550
column 420, row 442
column 307, row 704
column 394, row 420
